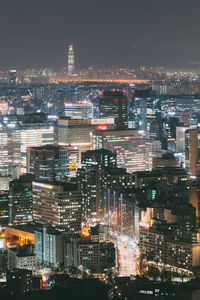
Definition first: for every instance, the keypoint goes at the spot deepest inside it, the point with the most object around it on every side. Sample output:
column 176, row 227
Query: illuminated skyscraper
column 102, row 158
column 180, row 138
column 71, row 67
column 20, row 200
column 13, row 77
column 57, row 204
column 48, row 163
column 79, row 133
column 34, row 135
column 93, row 181
column 79, row 110
column 114, row 104
column 4, row 208
column 133, row 148
column 9, row 145
column 191, row 150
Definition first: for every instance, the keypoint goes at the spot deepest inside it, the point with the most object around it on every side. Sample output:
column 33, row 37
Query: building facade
column 49, row 247
column 114, row 104
column 21, row 200
column 34, row 135
column 48, row 163
column 191, row 151
column 57, row 204
column 71, row 64
column 134, row 150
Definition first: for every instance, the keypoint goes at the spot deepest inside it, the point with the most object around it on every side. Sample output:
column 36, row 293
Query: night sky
column 105, row 33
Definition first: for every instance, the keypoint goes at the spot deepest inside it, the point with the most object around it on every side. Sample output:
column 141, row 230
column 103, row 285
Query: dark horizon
column 104, row 33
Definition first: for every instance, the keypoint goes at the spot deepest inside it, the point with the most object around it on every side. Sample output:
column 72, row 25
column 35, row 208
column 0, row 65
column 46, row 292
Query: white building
column 19, row 260
column 134, row 150
column 180, row 139
column 79, row 110
column 58, row 205
column 9, row 146
column 79, row 132
column 49, row 247
column 34, row 135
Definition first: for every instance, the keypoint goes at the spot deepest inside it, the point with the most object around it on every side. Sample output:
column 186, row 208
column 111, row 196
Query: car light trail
column 127, row 254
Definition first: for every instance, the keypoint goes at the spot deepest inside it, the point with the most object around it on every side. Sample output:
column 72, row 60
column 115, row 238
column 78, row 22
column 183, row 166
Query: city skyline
column 99, row 150
column 103, row 33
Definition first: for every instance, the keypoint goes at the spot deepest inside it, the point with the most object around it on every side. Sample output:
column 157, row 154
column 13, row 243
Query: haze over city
column 105, row 33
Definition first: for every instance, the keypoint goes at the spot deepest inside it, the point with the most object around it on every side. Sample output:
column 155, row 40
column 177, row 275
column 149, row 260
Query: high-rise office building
column 74, row 155
column 4, row 208
column 76, row 136
column 102, row 158
column 21, row 200
column 76, row 133
column 16, row 134
column 57, row 204
column 93, row 181
column 134, row 150
column 92, row 184
column 71, row 64
column 52, row 95
column 146, row 110
column 79, row 110
column 34, row 135
column 49, row 247
column 58, row 101
column 191, row 151
column 9, row 145
column 13, row 77
column 48, row 163
column 114, row 104
column 140, row 108
column 180, row 138
column 79, row 133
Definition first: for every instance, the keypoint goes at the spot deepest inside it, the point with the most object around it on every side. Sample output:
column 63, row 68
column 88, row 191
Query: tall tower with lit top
column 71, row 67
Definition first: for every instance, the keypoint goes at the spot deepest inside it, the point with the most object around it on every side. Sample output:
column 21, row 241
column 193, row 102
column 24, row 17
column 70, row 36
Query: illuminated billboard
column 102, row 127
column 43, row 185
